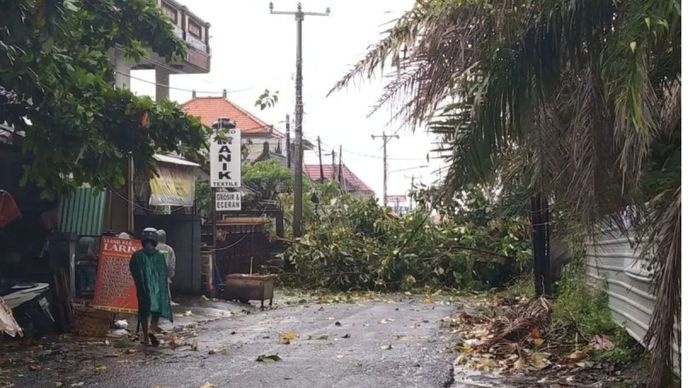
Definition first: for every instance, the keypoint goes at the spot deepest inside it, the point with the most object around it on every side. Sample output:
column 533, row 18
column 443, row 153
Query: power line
column 380, row 157
column 363, row 154
column 180, row 89
column 135, row 204
column 173, row 71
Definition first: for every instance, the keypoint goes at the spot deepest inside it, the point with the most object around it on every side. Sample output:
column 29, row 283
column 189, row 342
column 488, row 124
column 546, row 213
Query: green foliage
column 582, row 309
column 521, row 286
column 267, row 179
column 356, row 244
column 579, row 304
column 55, row 61
column 266, row 99
column 203, row 199
column 325, row 193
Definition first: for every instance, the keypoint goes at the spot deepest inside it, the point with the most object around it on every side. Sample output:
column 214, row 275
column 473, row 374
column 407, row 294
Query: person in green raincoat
column 150, row 274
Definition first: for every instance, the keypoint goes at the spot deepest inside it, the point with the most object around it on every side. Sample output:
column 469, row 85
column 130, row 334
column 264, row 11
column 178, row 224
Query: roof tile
column 209, row 109
column 352, row 181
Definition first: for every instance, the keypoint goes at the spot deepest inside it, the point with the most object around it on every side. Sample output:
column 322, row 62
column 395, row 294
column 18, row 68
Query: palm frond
column 663, row 247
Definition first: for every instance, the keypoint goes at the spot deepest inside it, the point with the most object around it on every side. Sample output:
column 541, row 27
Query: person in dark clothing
column 150, row 275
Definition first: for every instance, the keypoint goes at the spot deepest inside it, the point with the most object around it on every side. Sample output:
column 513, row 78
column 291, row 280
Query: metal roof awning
column 82, row 212
column 174, row 160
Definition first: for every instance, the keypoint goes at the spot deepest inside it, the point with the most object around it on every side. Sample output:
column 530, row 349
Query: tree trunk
column 540, row 246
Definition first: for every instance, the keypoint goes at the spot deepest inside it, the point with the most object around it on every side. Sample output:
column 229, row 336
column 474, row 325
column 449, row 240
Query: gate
column 241, row 247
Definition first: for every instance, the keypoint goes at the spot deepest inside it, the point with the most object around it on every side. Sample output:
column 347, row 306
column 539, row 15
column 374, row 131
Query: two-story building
column 188, row 27
column 261, row 140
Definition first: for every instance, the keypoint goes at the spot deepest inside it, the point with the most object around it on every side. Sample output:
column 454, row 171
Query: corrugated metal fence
column 613, row 261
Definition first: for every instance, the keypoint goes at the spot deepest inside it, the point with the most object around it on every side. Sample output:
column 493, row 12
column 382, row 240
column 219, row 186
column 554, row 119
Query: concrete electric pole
column 287, row 141
column 299, row 107
column 412, row 178
column 318, row 140
column 332, row 154
column 385, row 138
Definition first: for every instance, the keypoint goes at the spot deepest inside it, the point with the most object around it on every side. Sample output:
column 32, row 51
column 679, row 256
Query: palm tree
column 579, row 99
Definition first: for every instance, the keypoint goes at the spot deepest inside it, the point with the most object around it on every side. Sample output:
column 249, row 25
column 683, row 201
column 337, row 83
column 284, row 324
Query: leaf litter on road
column 515, row 336
column 287, row 337
column 268, row 358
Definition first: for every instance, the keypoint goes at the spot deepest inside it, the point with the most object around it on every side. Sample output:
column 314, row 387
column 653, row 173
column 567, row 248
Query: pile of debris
column 511, row 337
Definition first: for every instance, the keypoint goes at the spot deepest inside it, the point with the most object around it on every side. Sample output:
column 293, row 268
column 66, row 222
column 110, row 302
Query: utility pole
column 318, row 140
column 287, row 132
column 340, row 168
column 299, row 107
column 332, row 154
column 385, row 138
column 412, row 178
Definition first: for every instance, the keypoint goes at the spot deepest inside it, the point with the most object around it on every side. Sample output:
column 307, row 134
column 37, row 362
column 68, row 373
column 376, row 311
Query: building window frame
column 194, row 29
column 170, row 11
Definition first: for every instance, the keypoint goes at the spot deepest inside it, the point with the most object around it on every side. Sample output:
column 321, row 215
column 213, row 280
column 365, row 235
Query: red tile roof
column 352, row 181
column 209, row 109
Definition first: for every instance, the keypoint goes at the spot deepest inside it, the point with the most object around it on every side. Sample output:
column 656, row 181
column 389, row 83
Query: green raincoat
column 150, row 275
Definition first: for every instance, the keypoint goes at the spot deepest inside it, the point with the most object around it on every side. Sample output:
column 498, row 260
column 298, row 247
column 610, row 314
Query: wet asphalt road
column 386, row 342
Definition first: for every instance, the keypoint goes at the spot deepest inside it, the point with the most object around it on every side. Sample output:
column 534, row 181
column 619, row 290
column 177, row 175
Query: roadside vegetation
column 355, row 244
column 576, row 102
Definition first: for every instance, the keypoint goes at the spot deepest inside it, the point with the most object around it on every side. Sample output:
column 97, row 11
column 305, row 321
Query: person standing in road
column 169, row 254
column 150, row 274
column 170, row 259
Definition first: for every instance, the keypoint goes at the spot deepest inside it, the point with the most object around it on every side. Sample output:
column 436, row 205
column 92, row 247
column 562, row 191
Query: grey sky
column 253, row 50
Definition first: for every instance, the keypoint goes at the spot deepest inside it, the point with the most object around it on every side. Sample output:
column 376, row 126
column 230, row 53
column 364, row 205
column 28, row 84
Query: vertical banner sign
column 228, row 201
column 115, row 290
column 225, row 156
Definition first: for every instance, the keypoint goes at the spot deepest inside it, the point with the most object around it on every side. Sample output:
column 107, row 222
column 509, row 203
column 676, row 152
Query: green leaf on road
column 269, row 358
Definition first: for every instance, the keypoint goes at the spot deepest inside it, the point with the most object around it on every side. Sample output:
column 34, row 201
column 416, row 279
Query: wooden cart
column 246, row 287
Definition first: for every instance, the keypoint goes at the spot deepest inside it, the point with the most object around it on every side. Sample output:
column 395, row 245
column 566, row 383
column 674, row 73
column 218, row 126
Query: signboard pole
column 225, row 157
column 213, row 221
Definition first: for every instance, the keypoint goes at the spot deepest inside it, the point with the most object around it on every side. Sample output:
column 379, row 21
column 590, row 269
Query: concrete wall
column 613, row 261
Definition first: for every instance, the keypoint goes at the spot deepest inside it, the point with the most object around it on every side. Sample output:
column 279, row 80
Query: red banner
column 115, row 290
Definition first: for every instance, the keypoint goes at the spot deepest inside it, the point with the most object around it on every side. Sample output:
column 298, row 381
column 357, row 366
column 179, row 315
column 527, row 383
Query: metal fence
column 241, row 249
column 614, row 262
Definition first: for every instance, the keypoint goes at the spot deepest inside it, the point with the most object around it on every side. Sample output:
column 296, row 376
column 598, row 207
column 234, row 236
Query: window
column 170, row 11
column 194, row 29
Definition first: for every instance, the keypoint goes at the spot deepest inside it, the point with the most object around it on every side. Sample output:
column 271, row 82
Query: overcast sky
column 253, row 50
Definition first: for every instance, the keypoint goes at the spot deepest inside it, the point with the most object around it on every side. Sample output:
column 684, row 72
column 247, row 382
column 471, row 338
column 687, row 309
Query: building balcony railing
column 194, row 31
